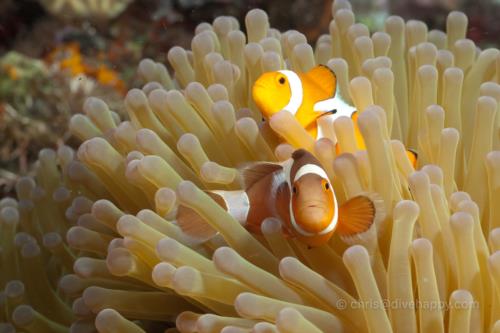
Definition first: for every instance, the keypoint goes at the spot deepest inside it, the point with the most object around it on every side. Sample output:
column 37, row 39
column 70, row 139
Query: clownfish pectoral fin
column 360, row 217
column 254, row 172
column 193, row 224
column 324, row 80
column 412, row 156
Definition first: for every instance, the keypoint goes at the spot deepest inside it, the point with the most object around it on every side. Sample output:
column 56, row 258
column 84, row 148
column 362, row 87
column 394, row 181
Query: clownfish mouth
column 259, row 87
column 315, row 206
column 314, row 203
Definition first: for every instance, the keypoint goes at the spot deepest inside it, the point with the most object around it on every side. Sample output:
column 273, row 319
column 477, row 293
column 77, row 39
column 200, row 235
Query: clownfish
column 312, row 97
column 299, row 194
column 308, row 96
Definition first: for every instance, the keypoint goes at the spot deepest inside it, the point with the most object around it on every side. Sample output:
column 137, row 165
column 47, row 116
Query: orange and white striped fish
column 298, row 193
column 313, row 98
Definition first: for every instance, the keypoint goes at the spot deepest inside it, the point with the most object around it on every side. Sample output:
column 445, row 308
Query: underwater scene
column 249, row 166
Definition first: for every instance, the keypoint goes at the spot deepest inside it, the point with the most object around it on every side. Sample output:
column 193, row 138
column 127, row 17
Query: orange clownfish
column 308, row 96
column 298, row 193
column 313, row 99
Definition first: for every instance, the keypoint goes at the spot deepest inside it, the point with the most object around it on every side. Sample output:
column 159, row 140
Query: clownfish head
column 312, row 202
column 313, row 205
column 276, row 91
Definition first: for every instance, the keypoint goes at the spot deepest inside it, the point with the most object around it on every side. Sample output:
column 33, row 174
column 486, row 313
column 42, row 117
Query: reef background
column 48, row 54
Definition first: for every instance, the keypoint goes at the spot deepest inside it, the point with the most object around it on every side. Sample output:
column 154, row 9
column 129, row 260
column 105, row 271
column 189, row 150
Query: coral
column 67, row 57
column 90, row 243
column 36, row 101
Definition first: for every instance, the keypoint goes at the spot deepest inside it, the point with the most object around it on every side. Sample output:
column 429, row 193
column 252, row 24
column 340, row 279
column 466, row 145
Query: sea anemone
column 90, row 243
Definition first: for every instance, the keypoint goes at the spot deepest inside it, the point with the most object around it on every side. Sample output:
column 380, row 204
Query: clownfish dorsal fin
column 254, row 172
column 324, row 80
column 360, row 217
column 193, row 224
column 299, row 153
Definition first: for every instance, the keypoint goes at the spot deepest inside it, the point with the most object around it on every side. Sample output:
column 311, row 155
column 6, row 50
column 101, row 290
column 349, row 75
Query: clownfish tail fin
column 413, row 157
column 361, row 217
column 193, row 224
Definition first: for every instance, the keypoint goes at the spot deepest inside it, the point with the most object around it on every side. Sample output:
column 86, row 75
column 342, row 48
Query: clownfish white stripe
column 336, row 103
column 296, row 91
column 310, row 168
column 237, row 203
column 335, row 219
column 325, row 123
column 287, row 168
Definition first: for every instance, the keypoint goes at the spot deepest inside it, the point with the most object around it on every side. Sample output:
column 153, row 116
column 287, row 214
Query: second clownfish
column 313, row 99
column 298, row 193
column 308, row 96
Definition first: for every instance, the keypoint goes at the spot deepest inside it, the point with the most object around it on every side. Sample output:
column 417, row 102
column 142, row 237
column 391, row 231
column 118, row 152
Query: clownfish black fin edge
column 324, row 78
column 412, row 156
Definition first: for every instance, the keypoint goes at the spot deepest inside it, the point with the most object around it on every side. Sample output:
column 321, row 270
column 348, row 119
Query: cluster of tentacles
column 91, row 244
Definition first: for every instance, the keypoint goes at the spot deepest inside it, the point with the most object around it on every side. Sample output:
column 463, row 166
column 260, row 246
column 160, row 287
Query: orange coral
column 11, row 71
column 69, row 58
column 107, row 76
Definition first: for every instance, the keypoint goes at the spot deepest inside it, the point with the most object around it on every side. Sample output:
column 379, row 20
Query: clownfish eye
column 294, row 190
column 327, row 186
column 281, row 80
